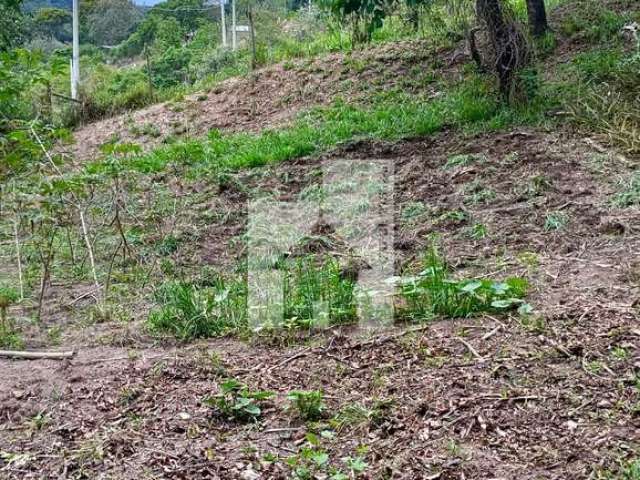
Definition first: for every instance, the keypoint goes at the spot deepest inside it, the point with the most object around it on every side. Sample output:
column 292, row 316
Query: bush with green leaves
column 237, row 402
column 434, row 292
column 363, row 16
column 309, row 404
column 110, row 90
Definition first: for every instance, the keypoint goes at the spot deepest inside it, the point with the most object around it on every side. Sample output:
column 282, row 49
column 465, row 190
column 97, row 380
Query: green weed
column 236, row 402
column 477, row 231
column 433, row 292
column 464, row 159
column 9, row 336
column 627, row 470
column 318, row 293
column 310, row 405
column 555, row 221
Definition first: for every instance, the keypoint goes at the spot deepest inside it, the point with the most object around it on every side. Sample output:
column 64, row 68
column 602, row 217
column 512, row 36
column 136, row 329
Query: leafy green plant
column 433, row 292
column 477, row 231
column 312, row 461
column 188, row 311
column 310, row 405
column 236, row 402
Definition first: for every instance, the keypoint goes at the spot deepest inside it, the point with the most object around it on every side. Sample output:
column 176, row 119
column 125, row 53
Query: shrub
column 111, row 91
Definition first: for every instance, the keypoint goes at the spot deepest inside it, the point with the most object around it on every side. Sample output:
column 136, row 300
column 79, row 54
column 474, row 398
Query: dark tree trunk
column 537, row 17
column 506, row 55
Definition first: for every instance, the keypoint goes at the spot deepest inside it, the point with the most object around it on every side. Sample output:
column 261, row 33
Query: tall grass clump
column 189, row 311
column 317, row 293
column 433, row 292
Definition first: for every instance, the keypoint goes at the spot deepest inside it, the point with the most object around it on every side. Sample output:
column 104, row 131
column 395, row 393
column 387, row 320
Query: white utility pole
column 223, row 24
column 234, row 34
column 75, row 58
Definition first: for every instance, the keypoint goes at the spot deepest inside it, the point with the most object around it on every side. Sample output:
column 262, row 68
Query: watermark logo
column 348, row 218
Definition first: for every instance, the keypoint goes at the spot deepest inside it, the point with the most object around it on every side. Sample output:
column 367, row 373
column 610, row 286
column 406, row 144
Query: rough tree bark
column 508, row 44
column 491, row 12
column 537, row 17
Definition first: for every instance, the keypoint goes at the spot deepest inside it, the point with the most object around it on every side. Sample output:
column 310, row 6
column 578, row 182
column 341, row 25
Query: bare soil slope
column 552, row 397
column 268, row 97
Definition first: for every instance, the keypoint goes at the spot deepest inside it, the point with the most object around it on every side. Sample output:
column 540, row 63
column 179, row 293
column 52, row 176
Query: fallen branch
column 34, row 355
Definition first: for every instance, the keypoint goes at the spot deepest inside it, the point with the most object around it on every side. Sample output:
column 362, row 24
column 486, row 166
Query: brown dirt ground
column 552, row 401
column 555, row 398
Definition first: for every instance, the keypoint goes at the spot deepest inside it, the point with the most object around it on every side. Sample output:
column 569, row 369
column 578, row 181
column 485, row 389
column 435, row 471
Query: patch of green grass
column 593, row 22
column 605, row 98
column 597, row 65
column 630, row 195
column 476, row 193
column 188, row 311
column 555, row 221
column 477, row 231
column 433, row 292
column 628, row 470
column 355, row 415
column 413, row 211
column 318, row 294
column 315, row 293
column 397, row 115
column 464, row 159
column 535, row 186
column 9, row 336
